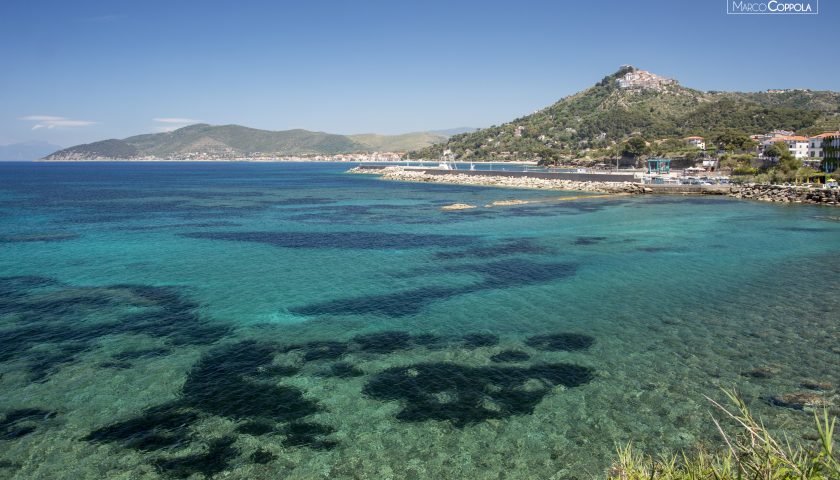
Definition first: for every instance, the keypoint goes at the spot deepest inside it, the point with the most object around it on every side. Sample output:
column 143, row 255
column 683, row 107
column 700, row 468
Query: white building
column 698, row 142
column 797, row 144
column 815, row 144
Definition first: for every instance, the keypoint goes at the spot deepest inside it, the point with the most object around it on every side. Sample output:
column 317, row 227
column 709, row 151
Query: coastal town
column 820, row 152
column 226, row 155
column 814, row 158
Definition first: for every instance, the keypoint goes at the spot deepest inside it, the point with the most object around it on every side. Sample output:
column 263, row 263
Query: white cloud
column 175, row 120
column 50, row 122
column 166, row 128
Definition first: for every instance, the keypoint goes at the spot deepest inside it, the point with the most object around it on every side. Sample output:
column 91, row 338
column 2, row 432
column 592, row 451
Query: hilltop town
column 635, row 114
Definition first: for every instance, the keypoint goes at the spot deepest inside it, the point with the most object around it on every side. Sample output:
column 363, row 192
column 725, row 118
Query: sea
column 291, row 320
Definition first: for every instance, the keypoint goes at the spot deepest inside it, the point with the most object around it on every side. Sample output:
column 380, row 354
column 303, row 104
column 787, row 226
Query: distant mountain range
column 202, row 141
column 26, row 151
column 592, row 123
column 633, row 102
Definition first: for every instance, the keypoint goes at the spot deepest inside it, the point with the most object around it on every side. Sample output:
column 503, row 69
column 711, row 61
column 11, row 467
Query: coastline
column 601, row 187
column 259, row 160
column 765, row 193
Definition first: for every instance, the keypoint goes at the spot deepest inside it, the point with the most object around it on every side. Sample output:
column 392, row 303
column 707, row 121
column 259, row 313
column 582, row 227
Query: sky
column 79, row 71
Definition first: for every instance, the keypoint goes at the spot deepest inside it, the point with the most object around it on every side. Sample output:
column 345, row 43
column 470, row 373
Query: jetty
column 603, row 183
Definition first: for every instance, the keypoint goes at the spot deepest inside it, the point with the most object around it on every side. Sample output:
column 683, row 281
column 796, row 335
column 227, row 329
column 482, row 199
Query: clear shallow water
column 265, row 320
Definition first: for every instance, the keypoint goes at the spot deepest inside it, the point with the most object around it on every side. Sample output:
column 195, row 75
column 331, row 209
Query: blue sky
column 79, row 71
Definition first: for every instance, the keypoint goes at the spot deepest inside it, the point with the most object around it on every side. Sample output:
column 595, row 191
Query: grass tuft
column 751, row 454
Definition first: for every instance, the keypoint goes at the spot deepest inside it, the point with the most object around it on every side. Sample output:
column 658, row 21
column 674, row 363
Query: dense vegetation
column 242, row 140
column 104, row 149
column 596, row 122
column 398, row 143
column 233, row 140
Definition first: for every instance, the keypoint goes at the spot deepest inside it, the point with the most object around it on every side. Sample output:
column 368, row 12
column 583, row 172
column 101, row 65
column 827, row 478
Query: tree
column 787, row 163
column 731, row 140
column 548, row 156
column 776, row 150
column 692, row 155
column 635, row 147
column 671, row 146
column 804, row 174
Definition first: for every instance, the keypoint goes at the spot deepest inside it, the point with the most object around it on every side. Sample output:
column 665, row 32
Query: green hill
column 234, row 141
column 633, row 102
column 239, row 140
column 398, row 143
column 113, row 149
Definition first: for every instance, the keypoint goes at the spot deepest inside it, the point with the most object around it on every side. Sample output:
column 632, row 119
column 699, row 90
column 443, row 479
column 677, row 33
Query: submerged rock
column 22, row 422
column 157, row 428
column 476, row 340
column 507, row 203
column 262, row 457
column 800, row 400
column 256, row 429
column 38, row 237
column 510, row 356
column 561, row 342
column 815, row 385
column 764, row 371
column 309, row 434
column 344, row 370
column 383, row 342
column 219, row 454
column 466, row 395
column 458, row 206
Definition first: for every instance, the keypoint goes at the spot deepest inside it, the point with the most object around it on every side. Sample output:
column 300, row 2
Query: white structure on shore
column 797, row 144
column 696, row 141
column 815, row 144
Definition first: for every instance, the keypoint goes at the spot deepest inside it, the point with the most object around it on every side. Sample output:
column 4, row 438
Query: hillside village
column 816, row 151
column 635, row 114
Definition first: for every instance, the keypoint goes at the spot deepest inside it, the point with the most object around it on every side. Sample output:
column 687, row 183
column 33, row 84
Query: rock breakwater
column 407, row 175
column 787, row 194
column 765, row 193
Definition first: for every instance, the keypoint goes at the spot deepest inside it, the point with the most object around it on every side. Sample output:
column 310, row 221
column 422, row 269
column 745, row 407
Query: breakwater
column 577, row 182
column 787, row 194
column 604, row 183
column 601, row 183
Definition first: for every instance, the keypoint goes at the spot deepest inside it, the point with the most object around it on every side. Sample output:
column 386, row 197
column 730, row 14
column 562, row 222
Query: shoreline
column 765, row 193
column 384, row 163
column 602, row 187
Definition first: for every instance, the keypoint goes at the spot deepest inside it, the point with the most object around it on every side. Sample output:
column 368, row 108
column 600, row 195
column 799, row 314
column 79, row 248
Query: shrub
column 750, row 454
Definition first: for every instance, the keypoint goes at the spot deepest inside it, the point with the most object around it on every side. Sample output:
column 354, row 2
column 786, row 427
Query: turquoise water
column 293, row 321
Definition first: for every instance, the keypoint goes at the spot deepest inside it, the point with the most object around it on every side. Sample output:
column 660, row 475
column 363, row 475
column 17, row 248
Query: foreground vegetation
column 750, row 453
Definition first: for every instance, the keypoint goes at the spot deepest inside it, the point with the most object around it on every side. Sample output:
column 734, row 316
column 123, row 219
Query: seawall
column 578, row 182
column 787, row 194
column 602, row 183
